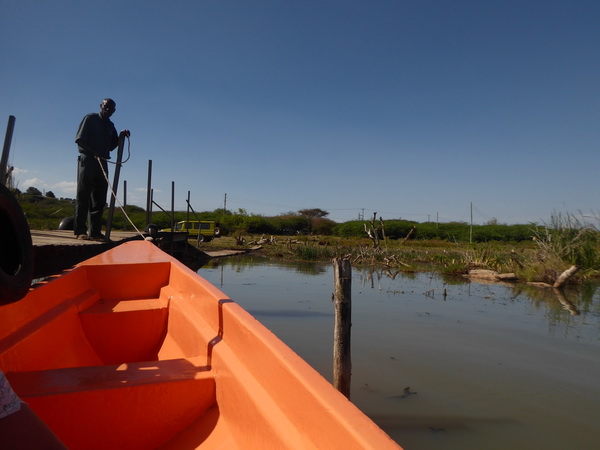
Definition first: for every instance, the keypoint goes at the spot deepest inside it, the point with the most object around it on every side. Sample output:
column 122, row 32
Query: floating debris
column 407, row 393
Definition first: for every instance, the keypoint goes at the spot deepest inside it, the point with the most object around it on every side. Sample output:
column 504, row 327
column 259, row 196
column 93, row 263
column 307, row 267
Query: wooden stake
column 342, row 298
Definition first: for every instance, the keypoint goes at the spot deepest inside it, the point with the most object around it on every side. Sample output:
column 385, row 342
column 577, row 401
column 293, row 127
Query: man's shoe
column 98, row 237
column 85, row 237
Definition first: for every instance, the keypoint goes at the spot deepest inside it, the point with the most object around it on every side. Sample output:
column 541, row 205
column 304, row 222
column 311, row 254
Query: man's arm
column 84, row 145
column 82, row 134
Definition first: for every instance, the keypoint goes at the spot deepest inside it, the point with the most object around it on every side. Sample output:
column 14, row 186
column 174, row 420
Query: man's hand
column 125, row 133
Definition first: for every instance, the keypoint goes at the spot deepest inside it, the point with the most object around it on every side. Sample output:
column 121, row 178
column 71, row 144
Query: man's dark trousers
column 91, row 194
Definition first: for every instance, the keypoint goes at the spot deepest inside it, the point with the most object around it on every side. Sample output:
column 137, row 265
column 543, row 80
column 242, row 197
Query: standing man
column 95, row 139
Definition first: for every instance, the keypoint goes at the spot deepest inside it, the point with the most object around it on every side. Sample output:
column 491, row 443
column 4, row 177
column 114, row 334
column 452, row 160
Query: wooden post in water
column 342, row 299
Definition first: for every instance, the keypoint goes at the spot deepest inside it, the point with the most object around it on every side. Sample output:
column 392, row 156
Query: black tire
column 201, row 238
column 16, row 250
column 68, row 223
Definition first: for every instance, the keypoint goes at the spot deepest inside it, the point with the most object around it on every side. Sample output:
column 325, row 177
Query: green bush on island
column 534, row 252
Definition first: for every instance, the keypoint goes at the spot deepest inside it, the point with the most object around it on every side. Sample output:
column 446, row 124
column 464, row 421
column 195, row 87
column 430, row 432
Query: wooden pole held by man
column 115, row 185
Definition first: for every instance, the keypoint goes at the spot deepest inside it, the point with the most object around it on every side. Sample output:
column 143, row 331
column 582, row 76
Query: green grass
column 533, row 253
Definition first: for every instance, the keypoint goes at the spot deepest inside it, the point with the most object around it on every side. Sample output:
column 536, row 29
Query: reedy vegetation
column 533, row 252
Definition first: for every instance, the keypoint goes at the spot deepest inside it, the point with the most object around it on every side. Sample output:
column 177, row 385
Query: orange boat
column 131, row 349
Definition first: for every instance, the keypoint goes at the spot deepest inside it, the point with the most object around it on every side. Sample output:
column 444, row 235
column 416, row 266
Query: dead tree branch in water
column 564, row 277
column 408, row 235
column 373, row 231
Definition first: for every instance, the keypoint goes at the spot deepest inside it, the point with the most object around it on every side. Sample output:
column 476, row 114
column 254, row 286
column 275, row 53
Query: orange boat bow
column 131, row 349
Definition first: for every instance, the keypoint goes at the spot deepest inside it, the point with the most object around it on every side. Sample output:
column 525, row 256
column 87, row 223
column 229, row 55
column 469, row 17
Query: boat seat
column 45, row 335
column 106, row 404
column 75, row 379
column 126, row 330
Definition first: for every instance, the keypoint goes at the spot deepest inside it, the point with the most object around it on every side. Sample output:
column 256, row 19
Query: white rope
column 113, row 192
column 128, row 154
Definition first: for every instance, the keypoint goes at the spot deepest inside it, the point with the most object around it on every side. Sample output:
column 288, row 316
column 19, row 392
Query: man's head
column 107, row 108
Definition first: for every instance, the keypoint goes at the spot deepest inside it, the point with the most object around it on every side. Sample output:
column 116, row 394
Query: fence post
column 342, row 299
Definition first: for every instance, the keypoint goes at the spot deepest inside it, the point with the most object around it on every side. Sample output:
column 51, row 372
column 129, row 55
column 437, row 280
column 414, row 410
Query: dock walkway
column 66, row 237
column 57, row 250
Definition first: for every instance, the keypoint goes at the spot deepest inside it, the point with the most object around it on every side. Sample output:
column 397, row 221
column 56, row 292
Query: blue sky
column 413, row 109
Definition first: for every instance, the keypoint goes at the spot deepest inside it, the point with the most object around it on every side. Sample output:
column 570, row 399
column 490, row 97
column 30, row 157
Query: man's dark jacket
column 97, row 136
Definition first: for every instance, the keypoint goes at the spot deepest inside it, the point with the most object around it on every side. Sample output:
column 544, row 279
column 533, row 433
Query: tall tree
column 33, row 191
column 312, row 213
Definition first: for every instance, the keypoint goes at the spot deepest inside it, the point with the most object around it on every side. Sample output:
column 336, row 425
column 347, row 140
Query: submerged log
column 484, row 274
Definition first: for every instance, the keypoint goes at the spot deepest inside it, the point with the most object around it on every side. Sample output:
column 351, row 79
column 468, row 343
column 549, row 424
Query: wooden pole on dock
column 149, row 195
column 342, row 299
column 187, row 215
column 6, row 149
column 124, row 204
column 172, row 206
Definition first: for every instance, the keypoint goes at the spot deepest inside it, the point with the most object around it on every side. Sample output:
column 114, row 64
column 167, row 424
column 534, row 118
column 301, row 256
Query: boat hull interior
column 131, row 349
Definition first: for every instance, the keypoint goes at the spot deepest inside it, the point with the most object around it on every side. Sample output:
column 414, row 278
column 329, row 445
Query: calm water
column 487, row 366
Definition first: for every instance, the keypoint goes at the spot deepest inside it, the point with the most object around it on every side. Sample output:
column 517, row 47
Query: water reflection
column 574, row 300
column 554, row 300
column 243, row 262
column 288, row 313
column 484, row 366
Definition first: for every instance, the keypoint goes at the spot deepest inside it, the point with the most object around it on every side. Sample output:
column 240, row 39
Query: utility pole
column 471, row 227
column 225, row 203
